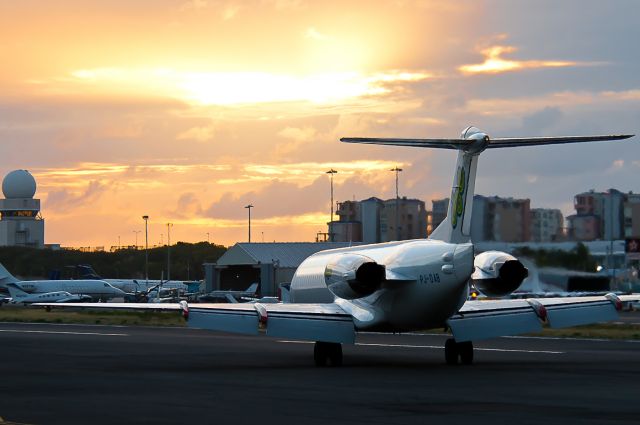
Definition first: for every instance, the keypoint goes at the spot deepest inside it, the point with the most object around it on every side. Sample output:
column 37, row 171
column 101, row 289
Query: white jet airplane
column 19, row 296
column 96, row 289
column 411, row 285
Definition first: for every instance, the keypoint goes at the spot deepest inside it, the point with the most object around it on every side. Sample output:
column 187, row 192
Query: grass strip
column 92, row 317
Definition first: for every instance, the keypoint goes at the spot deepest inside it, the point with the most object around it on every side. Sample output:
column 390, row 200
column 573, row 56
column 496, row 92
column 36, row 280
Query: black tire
column 466, row 352
column 335, row 355
column 451, row 351
column 320, row 355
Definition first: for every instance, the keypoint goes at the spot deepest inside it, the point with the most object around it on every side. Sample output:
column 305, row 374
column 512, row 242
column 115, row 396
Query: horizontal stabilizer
column 537, row 141
column 461, row 144
column 420, row 143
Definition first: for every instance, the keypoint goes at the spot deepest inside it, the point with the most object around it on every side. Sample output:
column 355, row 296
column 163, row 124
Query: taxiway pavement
column 71, row 374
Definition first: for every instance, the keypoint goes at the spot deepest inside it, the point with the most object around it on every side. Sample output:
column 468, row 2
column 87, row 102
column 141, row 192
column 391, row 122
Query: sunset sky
column 189, row 110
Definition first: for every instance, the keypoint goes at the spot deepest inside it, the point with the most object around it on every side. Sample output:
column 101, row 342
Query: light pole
column 146, row 248
column 249, row 208
column 612, row 258
column 207, row 237
column 136, row 232
column 397, row 171
column 118, row 241
column 169, row 226
column 331, row 172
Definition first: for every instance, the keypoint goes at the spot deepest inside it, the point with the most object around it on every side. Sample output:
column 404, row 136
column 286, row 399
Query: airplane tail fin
column 15, row 291
column 456, row 227
column 6, row 277
column 252, row 289
column 85, row 271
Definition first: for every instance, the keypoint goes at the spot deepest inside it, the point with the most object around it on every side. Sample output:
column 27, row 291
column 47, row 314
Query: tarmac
column 72, row 374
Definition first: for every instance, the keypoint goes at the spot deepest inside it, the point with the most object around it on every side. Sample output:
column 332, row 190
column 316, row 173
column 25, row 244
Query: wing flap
column 338, row 328
column 484, row 325
column 225, row 320
column 482, row 319
column 309, row 322
column 567, row 315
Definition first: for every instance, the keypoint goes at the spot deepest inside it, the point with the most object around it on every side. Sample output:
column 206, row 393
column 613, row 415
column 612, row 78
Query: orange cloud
column 494, row 63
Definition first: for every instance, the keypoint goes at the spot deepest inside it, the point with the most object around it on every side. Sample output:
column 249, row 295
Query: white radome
column 19, row 184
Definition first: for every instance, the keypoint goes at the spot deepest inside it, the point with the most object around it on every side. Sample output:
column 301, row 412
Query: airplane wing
column 310, row 322
column 482, row 319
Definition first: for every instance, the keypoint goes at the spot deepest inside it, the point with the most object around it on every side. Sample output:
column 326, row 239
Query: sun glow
column 235, row 88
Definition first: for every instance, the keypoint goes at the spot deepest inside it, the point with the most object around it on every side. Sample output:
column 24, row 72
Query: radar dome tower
column 20, row 220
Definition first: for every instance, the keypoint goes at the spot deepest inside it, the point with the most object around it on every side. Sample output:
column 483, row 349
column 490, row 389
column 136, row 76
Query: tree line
column 186, row 261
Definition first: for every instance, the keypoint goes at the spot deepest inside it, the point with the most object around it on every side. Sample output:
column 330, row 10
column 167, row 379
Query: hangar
column 269, row 264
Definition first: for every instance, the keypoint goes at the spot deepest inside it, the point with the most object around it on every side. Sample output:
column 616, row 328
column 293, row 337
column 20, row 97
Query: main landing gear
column 330, row 352
column 454, row 350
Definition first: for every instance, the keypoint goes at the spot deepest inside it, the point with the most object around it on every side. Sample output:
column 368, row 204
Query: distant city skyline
column 187, row 111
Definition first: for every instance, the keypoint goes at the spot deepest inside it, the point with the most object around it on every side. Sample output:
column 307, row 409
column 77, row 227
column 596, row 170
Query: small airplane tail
column 6, row 277
column 456, row 227
column 252, row 289
column 15, row 291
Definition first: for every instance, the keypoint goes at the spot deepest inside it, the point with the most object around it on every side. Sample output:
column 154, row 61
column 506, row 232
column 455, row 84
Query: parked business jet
column 96, row 289
column 230, row 295
column 132, row 286
column 408, row 285
column 19, row 296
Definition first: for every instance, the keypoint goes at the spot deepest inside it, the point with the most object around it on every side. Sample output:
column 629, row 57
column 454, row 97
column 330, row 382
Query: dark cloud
column 65, row 200
column 276, row 199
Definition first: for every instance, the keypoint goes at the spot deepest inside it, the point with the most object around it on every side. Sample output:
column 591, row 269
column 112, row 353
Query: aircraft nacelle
column 350, row 276
column 497, row 273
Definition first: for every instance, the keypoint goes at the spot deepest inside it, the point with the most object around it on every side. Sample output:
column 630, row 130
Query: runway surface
column 70, row 374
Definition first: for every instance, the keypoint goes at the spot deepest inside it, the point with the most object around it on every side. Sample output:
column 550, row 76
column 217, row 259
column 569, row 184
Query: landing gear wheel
column 466, row 352
column 451, row 351
column 330, row 352
column 335, row 355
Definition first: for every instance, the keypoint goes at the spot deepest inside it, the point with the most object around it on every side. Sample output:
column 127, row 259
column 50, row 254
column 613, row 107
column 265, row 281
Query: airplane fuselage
column 426, row 283
column 58, row 296
column 97, row 289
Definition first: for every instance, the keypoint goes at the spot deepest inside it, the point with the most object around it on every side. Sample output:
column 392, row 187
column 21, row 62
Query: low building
column 269, row 264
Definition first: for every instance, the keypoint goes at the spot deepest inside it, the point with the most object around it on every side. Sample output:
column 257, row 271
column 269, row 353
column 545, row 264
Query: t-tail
column 6, row 277
column 456, row 227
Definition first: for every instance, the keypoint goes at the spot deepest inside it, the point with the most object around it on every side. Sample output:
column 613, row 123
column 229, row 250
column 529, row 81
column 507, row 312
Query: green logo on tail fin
column 458, row 201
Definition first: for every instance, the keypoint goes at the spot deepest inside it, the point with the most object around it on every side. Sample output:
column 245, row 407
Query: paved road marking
column 569, row 338
column 436, row 347
column 22, row 331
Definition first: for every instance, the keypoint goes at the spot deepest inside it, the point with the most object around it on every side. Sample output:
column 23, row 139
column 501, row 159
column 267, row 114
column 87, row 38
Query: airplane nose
column 463, row 260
